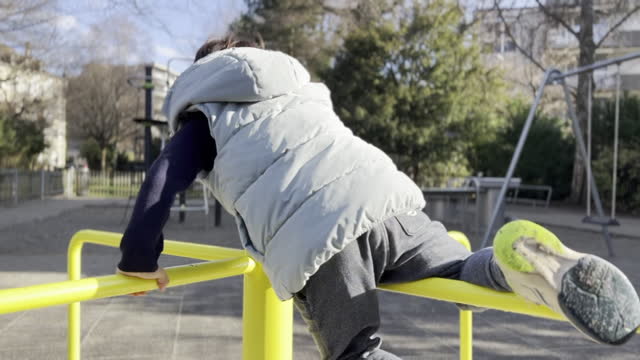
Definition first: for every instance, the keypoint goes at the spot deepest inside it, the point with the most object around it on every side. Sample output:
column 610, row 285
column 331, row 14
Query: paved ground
column 203, row 321
column 571, row 217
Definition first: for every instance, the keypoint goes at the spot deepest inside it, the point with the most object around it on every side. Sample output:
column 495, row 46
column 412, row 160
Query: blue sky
column 167, row 28
column 170, row 29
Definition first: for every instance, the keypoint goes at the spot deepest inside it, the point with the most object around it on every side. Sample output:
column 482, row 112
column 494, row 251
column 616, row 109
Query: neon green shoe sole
column 503, row 244
column 593, row 294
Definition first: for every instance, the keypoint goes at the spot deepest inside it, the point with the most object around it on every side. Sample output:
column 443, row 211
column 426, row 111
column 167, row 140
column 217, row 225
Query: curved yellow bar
column 171, row 247
column 462, row 292
column 74, row 268
column 65, row 292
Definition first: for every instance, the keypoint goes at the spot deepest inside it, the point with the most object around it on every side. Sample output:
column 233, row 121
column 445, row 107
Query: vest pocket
column 412, row 222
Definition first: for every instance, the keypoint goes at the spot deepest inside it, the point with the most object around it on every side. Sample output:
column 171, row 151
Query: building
column 553, row 45
column 27, row 88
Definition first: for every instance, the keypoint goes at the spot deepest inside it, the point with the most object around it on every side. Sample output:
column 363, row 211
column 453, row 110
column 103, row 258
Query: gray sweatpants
column 339, row 302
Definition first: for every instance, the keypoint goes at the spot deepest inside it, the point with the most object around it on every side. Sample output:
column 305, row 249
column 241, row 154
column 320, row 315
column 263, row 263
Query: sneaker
column 593, row 294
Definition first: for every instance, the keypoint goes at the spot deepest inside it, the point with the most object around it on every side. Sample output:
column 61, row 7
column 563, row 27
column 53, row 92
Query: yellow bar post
column 466, row 335
column 466, row 317
column 74, row 266
column 267, row 322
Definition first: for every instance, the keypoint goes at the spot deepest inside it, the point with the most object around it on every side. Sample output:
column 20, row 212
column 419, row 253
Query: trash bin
column 488, row 198
column 454, row 207
column 468, row 208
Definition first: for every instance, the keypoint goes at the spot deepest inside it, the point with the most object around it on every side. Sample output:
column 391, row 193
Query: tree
column 21, row 140
column 416, row 87
column 548, row 139
column 628, row 167
column 100, row 102
column 577, row 19
column 26, row 21
column 101, row 106
column 32, row 96
column 23, row 24
column 33, row 28
column 304, row 29
column 115, row 40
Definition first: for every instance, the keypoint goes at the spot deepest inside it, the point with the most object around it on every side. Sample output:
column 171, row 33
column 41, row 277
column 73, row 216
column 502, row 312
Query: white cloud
column 67, row 22
column 167, row 52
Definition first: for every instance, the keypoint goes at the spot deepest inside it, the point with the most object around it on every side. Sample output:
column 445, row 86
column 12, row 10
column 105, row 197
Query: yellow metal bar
column 461, row 292
column 461, row 238
column 74, row 267
column 466, row 317
column 466, row 335
column 65, row 292
column 267, row 322
column 74, row 271
column 171, row 247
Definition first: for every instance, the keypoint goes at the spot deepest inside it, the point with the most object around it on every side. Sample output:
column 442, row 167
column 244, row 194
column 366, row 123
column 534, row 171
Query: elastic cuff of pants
column 372, row 348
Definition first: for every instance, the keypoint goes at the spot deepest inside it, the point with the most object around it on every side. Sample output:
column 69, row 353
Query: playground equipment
column 612, row 219
column 204, row 207
column 554, row 76
column 146, row 83
column 267, row 321
column 466, row 203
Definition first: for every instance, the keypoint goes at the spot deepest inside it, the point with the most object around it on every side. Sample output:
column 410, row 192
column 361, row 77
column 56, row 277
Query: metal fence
column 19, row 185
column 109, row 183
column 121, row 184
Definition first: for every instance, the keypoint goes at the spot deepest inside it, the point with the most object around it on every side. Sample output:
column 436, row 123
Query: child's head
column 229, row 41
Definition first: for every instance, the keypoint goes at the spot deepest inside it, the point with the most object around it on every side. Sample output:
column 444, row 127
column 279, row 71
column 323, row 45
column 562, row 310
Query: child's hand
column 160, row 275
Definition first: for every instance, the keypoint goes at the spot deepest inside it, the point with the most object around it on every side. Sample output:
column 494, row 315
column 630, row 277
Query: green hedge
column 628, row 183
column 547, row 157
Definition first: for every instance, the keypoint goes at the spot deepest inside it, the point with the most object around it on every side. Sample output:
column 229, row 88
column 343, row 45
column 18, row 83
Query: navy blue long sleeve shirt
column 190, row 150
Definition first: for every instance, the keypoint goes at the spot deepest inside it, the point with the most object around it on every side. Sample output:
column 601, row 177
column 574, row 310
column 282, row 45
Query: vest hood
column 236, row 75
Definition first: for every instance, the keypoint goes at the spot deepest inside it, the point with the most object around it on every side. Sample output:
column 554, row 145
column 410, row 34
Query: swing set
column 598, row 220
column 553, row 77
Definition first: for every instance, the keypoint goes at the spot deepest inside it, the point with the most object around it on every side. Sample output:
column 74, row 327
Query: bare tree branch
column 556, row 18
column 617, row 25
column 464, row 26
column 507, row 30
column 12, row 26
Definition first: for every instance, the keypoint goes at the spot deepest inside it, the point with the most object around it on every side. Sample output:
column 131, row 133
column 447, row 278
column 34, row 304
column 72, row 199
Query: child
column 329, row 215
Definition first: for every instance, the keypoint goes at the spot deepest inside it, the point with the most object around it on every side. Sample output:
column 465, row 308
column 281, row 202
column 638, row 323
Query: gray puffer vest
column 300, row 185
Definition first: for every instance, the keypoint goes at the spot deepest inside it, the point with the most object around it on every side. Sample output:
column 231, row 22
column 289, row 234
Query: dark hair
column 227, row 42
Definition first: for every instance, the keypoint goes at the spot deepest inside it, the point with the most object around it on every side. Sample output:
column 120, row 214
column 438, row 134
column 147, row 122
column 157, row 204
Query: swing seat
column 600, row 220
